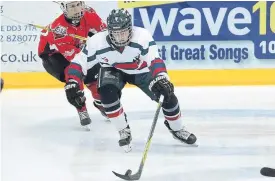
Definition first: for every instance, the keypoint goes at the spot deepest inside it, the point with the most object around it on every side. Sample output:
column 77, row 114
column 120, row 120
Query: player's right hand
column 75, row 96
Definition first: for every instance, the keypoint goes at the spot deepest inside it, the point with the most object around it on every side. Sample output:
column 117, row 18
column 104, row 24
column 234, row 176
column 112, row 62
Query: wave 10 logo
column 261, row 6
column 238, row 20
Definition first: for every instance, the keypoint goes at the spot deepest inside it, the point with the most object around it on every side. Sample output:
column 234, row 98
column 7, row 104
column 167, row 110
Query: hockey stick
column 44, row 28
column 269, row 172
column 136, row 176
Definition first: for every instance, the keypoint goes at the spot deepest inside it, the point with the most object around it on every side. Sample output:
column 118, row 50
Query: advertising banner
column 19, row 41
column 210, row 34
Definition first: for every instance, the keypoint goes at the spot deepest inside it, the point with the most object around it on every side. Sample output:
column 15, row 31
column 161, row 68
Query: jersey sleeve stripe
column 157, row 61
column 142, row 50
column 98, row 52
column 91, row 58
column 157, row 66
column 84, row 50
column 158, row 70
column 75, row 70
column 151, row 43
column 75, row 66
column 104, row 50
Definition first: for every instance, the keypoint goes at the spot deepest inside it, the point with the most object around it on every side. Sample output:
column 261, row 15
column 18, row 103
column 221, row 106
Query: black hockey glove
column 161, row 86
column 75, row 96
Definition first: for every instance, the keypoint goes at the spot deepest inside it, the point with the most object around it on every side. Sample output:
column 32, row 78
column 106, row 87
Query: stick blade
column 128, row 176
column 269, row 172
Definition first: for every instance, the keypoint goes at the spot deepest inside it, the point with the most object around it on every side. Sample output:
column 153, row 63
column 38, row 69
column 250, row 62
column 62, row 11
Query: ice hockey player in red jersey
column 128, row 54
column 57, row 48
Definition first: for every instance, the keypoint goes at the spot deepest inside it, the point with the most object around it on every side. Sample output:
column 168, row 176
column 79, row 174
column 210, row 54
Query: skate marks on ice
column 212, row 174
column 229, row 147
column 224, row 156
column 210, row 113
column 235, row 142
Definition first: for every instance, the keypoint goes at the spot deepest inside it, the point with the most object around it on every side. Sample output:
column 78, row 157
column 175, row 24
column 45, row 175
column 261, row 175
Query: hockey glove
column 161, row 86
column 75, row 96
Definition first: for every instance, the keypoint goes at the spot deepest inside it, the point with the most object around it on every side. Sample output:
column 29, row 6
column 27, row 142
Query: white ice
column 42, row 139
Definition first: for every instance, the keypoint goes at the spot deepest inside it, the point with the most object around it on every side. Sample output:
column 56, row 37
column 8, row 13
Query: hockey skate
column 182, row 135
column 125, row 139
column 85, row 119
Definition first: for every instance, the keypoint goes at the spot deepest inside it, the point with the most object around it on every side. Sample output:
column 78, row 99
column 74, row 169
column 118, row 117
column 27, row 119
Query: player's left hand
column 161, row 86
column 75, row 96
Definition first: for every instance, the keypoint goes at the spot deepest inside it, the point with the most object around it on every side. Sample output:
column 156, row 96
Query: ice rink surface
column 42, row 139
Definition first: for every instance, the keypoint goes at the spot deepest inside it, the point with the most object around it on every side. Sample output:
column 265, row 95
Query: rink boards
column 178, row 77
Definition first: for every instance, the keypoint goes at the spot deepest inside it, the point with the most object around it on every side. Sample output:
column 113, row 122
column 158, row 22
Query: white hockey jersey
column 139, row 56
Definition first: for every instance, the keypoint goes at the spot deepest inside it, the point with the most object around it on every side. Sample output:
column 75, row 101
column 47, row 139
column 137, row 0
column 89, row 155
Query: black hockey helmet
column 119, row 24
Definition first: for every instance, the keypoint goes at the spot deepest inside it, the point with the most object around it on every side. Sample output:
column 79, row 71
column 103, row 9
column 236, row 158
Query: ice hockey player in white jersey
column 127, row 54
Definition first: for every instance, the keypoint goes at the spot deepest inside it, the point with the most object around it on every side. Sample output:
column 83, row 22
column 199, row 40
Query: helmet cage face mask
column 121, row 37
column 119, row 23
column 73, row 10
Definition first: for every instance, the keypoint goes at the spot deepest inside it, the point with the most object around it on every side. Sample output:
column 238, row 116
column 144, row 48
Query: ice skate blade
column 127, row 148
column 87, row 127
column 188, row 145
column 107, row 121
column 193, row 145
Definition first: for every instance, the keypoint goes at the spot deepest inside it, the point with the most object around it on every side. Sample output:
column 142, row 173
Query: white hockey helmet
column 73, row 10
